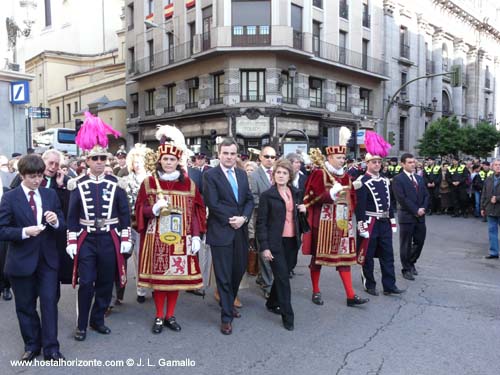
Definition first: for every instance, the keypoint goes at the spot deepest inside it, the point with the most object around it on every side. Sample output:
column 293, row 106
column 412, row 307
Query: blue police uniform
column 374, row 211
column 98, row 220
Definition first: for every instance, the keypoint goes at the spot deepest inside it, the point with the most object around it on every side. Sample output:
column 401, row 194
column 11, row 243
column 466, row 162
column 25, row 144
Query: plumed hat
column 341, row 148
column 172, row 142
column 376, row 146
column 93, row 135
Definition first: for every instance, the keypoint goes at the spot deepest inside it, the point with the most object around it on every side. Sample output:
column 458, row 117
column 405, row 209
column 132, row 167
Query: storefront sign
column 252, row 128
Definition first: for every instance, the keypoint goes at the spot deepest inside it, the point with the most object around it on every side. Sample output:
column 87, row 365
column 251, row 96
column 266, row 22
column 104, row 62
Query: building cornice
column 11, row 76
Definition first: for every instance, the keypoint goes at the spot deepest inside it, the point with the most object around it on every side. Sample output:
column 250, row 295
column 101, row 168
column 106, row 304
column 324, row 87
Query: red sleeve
column 199, row 220
column 143, row 210
column 315, row 191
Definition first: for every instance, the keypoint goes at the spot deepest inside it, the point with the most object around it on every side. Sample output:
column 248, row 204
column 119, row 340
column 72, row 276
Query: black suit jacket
column 15, row 214
column 197, row 177
column 409, row 199
column 271, row 219
column 222, row 205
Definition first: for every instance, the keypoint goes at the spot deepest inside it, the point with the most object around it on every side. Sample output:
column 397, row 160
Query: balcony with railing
column 298, row 40
column 366, row 20
column 249, row 36
column 164, row 58
column 149, row 112
column 252, row 98
column 317, row 104
column 134, row 115
column 404, row 50
column 289, row 100
column 191, row 105
column 215, row 101
column 168, row 109
column 366, row 112
column 206, row 41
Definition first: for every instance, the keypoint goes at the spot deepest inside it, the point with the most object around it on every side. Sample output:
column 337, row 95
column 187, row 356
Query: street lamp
column 153, row 25
column 434, row 103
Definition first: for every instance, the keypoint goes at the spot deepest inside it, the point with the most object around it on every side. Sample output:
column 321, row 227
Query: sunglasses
column 269, row 156
column 100, row 157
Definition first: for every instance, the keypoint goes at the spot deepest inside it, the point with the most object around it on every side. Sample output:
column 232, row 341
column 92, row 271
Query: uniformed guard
column 98, row 228
column 457, row 178
column 376, row 222
column 432, row 178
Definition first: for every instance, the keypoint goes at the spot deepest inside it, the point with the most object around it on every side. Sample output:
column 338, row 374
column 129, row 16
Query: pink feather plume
column 376, row 145
column 93, row 132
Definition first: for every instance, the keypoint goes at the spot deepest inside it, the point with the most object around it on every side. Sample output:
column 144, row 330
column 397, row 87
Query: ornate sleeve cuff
column 71, row 238
column 125, row 234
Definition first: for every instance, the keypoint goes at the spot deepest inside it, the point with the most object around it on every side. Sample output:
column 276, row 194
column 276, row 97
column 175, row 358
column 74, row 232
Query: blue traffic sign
column 19, row 92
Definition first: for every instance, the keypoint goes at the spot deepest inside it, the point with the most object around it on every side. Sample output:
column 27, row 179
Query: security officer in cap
column 432, row 178
column 457, row 176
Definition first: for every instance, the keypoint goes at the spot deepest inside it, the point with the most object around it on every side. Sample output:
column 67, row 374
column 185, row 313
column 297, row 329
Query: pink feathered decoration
column 94, row 132
column 376, row 145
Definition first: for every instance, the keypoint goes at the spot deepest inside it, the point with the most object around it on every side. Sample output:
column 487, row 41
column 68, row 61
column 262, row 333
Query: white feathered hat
column 344, row 136
column 172, row 142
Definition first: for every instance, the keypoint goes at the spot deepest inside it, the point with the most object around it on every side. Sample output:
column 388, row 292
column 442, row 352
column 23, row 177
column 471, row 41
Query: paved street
column 448, row 322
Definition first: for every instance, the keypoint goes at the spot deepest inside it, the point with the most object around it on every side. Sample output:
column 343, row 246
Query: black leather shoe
column 80, row 335
column 274, row 309
column 103, row 330
column 289, row 326
column 371, row 291
column 408, row 275
column 56, row 356
column 157, row 326
column 197, row 292
column 7, row 294
column 171, row 323
column 393, row 291
column 226, row 328
column 316, row 298
column 141, row 299
column 486, row 257
column 356, row 301
column 414, row 271
column 28, row 355
column 236, row 313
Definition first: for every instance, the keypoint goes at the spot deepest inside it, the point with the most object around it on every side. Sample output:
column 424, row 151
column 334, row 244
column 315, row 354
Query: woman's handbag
column 253, row 261
column 303, row 224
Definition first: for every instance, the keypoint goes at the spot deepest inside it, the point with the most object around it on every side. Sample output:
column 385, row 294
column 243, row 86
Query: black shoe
column 236, row 313
column 393, row 291
column 288, row 326
column 29, row 355
column 141, row 299
column 371, row 291
column 316, row 298
column 414, row 271
column 356, row 301
column 170, row 323
column 80, row 335
column 102, row 329
column 408, row 275
column 157, row 326
column 7, row 294
column 56, row 356
column 274, row 309
column 197, row 292
column 491, row 257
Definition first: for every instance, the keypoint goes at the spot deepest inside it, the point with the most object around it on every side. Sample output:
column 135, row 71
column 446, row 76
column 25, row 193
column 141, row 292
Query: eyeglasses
column 100, row 157
column 269, row 156
column 376, row 161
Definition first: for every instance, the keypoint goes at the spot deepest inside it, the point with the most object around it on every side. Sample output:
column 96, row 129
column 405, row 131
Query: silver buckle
column 100, row 223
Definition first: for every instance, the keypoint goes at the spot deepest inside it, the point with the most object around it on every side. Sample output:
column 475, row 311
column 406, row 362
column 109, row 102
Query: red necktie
column 44, row 182
column 270, row 173
column 415, row 185
column 33, row 204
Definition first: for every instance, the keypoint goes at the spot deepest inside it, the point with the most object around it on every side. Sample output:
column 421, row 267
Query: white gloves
column 394, row 227
column 195, row 244
column 158, row 206
column 363, row 229
column 125, row 247
column 335, row 190
column 71, row 250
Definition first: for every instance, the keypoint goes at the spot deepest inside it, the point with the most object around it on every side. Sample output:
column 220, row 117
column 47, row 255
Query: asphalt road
column 447, row 322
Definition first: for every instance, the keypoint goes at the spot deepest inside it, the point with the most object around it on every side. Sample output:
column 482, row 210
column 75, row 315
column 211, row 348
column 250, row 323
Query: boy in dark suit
column 30, row 216
column 413, row 199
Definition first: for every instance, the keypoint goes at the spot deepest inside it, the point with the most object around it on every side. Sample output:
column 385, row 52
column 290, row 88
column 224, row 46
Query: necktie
column 32, row 203
column 270, row 174
column 415, row 185
column 44, row 182
column 232, row 181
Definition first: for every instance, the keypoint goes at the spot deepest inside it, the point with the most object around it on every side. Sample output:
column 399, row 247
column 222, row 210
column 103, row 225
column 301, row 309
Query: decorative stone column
column 329, row 95
column 160, row 100
column 353, row 99
column 302, row 84
column 459, row 49
column 273, row 94
column 181, row 96
column 471, row 100
column 437, row 82
column 232, row 84
column 205, row 90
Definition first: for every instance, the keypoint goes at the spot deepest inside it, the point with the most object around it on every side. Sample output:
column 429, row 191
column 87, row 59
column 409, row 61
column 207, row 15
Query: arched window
column 445, row 57
column 446, row 104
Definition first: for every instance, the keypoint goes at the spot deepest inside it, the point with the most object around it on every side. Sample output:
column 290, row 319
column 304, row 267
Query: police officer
column 432, row 178
column 457, row 176
column 393, row 170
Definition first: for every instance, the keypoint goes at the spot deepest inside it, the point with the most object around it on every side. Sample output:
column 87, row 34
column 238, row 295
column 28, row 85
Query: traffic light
column 78, row 125
column 456, row 76
column 213, row 136
column 392, row 138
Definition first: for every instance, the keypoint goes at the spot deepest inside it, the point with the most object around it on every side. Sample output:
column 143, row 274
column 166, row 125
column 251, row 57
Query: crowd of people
column 186, row 220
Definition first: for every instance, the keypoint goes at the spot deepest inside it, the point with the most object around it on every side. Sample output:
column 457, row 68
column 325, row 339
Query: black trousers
column 381, row 245
column 280, row 290
column 4, row 280
column 434, row 199
column 96, row 271
column 42, row 285
column 459, row 199
column 230, row 264
column 411, row 242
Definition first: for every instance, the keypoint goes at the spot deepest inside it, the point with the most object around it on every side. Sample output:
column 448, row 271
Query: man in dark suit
column 413, row 198
column 29, row 219
column 228, row 197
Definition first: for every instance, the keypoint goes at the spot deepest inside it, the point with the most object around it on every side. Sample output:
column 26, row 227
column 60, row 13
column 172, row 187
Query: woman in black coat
column 279, row 236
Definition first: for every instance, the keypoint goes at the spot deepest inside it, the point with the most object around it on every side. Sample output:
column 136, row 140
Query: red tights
column 171, row 297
